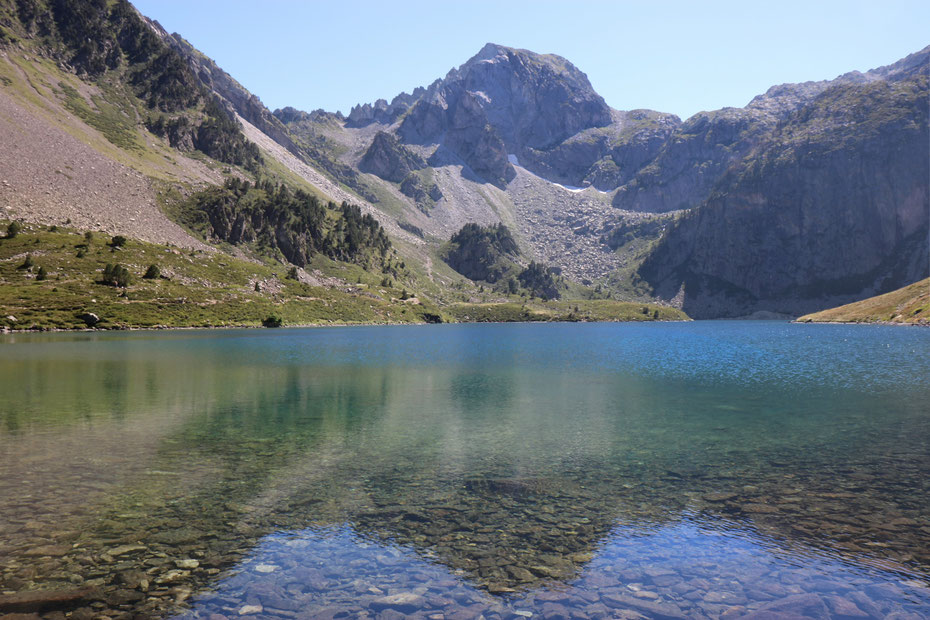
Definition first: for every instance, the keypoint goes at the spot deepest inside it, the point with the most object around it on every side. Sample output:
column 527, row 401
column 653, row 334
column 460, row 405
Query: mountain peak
column 489, row 51
column 495, row 53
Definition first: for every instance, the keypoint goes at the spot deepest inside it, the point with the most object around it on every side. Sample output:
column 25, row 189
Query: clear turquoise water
column 583, row 470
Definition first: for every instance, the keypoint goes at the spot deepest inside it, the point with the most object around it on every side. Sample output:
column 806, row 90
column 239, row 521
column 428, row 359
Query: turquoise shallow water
column 709, row 469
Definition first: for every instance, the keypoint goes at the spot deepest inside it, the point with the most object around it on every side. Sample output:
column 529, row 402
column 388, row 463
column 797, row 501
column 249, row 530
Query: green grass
column 908, row 305
column 605, row 310
column 201, row 290
column 44, row 90
column 107, row 118
column 214, row 289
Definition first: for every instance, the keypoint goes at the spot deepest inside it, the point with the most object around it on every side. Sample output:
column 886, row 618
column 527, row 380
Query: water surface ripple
column 689, row 470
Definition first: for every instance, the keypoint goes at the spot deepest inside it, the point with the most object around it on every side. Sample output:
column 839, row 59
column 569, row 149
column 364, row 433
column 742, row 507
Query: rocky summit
column 812, row 195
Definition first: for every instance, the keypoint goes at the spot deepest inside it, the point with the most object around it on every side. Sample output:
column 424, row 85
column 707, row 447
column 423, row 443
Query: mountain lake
column 657, row 470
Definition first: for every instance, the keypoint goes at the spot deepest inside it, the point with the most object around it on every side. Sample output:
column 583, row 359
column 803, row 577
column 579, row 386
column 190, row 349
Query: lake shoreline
column 891, row 323
column 159, row 328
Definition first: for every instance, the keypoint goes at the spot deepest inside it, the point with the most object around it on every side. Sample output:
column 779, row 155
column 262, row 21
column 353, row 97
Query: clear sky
column 673, row 56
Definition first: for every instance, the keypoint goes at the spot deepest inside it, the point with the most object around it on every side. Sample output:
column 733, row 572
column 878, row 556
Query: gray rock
column 801, row 605
column 504, row 101
column 37, row 601
column 387, row 158
column 124, row 549
column 815, row 215
column 720, row 497
column 845, row 608
column 661, row 611
column 89, row 318
column 406, row 602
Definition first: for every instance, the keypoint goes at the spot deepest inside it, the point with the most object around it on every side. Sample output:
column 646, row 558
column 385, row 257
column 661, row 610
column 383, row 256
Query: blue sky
column 679, row 57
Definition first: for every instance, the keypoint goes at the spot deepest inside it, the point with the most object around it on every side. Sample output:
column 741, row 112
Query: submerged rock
column 43, row 600
column 404, row 602
column 798, row 606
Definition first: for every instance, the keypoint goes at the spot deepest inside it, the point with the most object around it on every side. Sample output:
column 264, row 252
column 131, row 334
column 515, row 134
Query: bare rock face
column 690, row 163
column 831, row 207
column 389, row 159
column 605, row 157
column 503, row 101
column 381, row 111
column 532, row 100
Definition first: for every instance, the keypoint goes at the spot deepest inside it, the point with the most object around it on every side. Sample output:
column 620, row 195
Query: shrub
column 152, row 273
column 292, row 273
column 116, row 275
column 28, row 263
column 13, row 229
column 272, row 321
column 88, row 236
column 41, row 274
column 540, row 280
column 118, row 241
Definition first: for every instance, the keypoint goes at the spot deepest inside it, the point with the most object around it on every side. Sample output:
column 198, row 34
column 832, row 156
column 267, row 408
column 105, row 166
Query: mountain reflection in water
column 581, row 471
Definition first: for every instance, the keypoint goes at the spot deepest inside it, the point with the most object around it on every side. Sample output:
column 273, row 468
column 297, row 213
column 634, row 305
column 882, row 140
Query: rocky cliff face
column 692, row 159
column 831, row 206
column 388, row 159
column 605, row 157
column 530, row 100
column 381, row 111
column 503, row 101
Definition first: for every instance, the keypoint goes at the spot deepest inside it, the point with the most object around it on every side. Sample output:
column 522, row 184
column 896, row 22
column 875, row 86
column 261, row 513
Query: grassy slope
column 204, row 289
column 908, row 305
column 565, row 310
column 107, row 122
column 216, row 290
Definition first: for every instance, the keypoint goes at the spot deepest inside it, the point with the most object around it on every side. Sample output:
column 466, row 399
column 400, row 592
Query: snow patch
column 570, row 188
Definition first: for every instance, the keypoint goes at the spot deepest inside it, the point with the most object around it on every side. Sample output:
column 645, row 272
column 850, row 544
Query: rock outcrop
column 381, row 111
column 605, row 157
column 832, row 206
column 530, row 100
column 389, row 159
column 692, row 159
column 501, row 101
column 423, row 193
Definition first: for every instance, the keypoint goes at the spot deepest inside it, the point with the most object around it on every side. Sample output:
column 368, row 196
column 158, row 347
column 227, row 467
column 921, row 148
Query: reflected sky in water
column 326, row 570
column 660, row 469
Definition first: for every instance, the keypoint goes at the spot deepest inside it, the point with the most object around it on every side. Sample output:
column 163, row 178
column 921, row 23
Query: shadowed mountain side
column 833, row 207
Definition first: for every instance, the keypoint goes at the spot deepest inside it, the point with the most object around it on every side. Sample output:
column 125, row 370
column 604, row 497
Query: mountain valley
column 811, row 196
